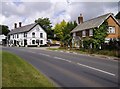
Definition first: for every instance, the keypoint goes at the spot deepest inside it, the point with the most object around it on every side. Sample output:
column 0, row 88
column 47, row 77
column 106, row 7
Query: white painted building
column 29, row 35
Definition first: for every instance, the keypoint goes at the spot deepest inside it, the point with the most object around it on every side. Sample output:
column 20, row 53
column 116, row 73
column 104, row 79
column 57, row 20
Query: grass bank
column 18, row 73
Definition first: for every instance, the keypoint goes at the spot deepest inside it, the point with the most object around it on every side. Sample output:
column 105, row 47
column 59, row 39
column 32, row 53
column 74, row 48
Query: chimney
column 15, row 25
column 20, row 24
column 80, row 19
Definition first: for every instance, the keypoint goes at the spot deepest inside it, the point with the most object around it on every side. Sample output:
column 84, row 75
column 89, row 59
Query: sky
column 27, row 11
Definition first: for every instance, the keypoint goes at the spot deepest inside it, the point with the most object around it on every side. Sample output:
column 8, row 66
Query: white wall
column 37, row 30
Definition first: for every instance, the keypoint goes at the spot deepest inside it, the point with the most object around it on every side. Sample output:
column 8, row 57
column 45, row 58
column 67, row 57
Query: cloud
column 28, row 12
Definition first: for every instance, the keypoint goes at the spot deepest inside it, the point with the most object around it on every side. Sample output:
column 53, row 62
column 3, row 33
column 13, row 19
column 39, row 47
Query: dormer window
column 83, row 33
column 33, row 35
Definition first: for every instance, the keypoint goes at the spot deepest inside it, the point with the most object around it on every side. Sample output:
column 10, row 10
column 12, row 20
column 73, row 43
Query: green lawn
column 18, row 73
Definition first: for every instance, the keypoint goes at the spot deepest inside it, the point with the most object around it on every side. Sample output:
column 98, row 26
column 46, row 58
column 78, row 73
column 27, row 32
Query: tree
column 67, row 36
column 99, row 35
column 4, row 29
column 46, row 25
column 59, row 30
column 62, row 31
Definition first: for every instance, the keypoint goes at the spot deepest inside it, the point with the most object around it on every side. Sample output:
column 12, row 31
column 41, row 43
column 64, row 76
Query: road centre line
column 77, row 63
column 44, row 54
column 96, row 69
column 87, row 66
column 62, row 59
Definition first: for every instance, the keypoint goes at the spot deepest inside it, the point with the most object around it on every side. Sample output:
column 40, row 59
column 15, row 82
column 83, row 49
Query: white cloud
column 28, row 12
column 11, row 20
column 2, row 19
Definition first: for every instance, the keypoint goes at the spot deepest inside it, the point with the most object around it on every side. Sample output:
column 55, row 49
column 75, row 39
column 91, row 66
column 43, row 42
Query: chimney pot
column 80, row 19
column 20, row 24
column 15, row 25
column 81, row 15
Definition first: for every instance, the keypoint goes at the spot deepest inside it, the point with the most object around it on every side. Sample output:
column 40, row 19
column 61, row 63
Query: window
column 74, row 34
column 83, row 33
column 41, row 35
column 33, row 35
column 25, row 34
column 111, row 30
column 41, row 41
column 91, row 32
column 17, row 35
column 33, row 41
column 13, row 35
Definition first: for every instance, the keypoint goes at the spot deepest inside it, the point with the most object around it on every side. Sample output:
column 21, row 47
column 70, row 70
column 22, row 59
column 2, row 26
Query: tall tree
column 62, row 31
column 100, row 34
column 59, row 30
column 46, row 25
column 4, row 30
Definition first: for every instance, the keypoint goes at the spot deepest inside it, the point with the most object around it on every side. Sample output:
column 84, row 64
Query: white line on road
column 96, row 69
column 77, row 63
column 44, row 54
column 62, row 59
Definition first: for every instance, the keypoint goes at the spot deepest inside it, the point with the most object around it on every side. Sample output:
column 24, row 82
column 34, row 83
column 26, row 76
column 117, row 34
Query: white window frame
column 111, row 30
column 41, row 35
column 83, row 33
column 74, row 34
column 91, row 32
column 33, row 34
column 41, row 42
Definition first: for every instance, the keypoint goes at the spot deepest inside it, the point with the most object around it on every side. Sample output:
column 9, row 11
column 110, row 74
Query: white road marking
column 68, row 60
column 62, row 59
column 77, row 63
column 96, row 69
column 44, row 54
column 59, row 58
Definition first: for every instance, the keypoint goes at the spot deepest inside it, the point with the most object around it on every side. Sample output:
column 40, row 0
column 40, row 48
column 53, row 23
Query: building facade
column 29, row 35
column 86, row 29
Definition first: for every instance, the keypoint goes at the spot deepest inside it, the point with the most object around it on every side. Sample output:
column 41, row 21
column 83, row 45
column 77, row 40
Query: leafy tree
column 100, row 34
column 4, row 30
column 67, row 36
column 62, row 31
column 59, row 30
column 86, row 42
column 46, row 25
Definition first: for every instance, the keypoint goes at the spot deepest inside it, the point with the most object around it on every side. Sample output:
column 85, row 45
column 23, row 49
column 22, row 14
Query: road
column 71, row 70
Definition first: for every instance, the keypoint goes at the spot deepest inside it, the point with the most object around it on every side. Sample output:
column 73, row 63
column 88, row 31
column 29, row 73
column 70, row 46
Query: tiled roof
column 92, row 23
column 22, row 29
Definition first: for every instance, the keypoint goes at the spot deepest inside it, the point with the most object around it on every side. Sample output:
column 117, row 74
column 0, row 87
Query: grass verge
column 112, row 53
column 18, row 73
